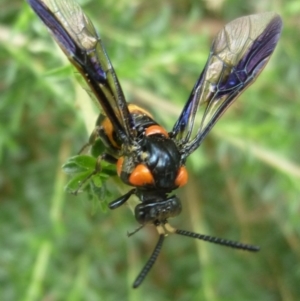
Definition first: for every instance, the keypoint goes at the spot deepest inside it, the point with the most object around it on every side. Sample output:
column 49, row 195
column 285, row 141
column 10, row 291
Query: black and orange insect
column 148, row 157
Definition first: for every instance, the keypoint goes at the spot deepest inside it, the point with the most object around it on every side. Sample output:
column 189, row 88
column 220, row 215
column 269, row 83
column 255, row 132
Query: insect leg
column 121, row 200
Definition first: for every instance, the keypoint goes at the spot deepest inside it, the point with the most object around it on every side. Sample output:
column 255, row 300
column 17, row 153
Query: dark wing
column 77, row 37
column 238, row 54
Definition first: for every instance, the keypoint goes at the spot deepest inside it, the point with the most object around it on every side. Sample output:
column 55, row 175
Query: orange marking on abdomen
column 119, row 165
column 182, row 177
column 156, row 129
column 109, row 130
column 134, row 109
column 141, row 176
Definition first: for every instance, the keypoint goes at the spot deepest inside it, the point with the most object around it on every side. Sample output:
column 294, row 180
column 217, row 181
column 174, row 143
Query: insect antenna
column 136, row 230
column 139, row 279
column 219, row 241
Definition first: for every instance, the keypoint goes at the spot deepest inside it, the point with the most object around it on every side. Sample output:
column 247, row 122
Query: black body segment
column 154, row 210
column 147, row 156
column 161, row 156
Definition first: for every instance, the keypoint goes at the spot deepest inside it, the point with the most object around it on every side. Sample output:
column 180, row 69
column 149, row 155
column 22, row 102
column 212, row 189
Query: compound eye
column 182, row 177
column 141, row 176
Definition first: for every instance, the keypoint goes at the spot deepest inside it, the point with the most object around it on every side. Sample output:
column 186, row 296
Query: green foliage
column 244, row 180
column 88, row 175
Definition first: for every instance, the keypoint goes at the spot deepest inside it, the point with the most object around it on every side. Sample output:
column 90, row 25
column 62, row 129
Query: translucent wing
column 77, row 37
column 238, row 54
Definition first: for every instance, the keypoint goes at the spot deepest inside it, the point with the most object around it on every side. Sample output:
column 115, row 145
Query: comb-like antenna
column 219, row 241
column 139, row 279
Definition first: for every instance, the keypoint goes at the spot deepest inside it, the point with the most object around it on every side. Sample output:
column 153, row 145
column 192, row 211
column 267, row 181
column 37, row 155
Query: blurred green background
column 244, row 179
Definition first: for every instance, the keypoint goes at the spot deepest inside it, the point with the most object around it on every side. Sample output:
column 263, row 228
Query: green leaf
column 72, row 168
column 79, row 180
column 97, row 180
column 109, row 170
column 79, row 163
column 97, row 148
column 98, row 196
